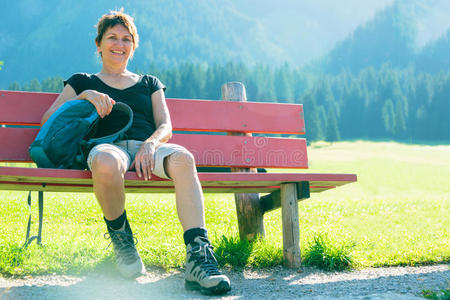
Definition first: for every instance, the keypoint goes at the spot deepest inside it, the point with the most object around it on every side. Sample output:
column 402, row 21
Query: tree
column 323, row 122
column 33, row 86
column 323, row 93
column 400, row 122
column 388, row 103
column 15, row 86
column 283, row 84
column 1, row 64
column 352, row 122
column 52, row 85
column 313, row 124
column 332, row 132
column 388, row 116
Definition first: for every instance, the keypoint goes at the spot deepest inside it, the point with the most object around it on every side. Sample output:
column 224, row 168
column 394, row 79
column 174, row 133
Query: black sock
column 117, row 223
column 190, row 234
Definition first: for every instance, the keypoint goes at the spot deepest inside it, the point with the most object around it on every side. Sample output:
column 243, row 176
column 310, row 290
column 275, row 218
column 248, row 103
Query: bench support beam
column 291, row 227
column 273, row 200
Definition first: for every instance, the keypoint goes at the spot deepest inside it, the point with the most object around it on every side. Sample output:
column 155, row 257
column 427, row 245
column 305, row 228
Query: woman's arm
column 67, row 94
column 144, row 161
column 161, row 116
column 102, row 102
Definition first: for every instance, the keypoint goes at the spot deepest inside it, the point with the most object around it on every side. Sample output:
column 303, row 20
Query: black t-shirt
column 138, row 97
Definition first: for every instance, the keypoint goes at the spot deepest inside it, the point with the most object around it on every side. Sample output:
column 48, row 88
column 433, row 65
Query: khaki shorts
column 126, row 151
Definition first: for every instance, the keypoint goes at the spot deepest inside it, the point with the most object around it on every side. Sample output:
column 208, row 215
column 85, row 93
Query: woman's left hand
column 144, row 161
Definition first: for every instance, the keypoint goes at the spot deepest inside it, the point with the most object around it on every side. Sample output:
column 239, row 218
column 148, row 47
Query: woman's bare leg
column 180, row 166
column 108, row 176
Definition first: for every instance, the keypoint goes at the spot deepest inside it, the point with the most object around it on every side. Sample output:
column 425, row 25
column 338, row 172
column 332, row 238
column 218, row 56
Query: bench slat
column 255, row 117
column 24, row 108
column 128, row 189
column 27, row 108
column 15, row 143
column 208, row 150
column 16, row 178
column 239, row 178
column 144, row 189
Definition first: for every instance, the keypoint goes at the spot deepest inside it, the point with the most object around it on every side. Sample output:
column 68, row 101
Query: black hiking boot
column 128, row 261
column 202, row 272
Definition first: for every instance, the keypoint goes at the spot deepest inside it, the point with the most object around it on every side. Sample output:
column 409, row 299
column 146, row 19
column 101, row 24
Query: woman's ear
column 98, row 48
column 99, row 52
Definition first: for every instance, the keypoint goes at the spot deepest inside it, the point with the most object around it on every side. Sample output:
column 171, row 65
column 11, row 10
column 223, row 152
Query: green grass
column 439, row 295
column 328, row 254
column 232, row 252
column 396, row 214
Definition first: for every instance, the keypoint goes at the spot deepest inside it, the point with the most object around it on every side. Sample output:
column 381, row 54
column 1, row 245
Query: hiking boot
column 201, row 269
column 128, row 261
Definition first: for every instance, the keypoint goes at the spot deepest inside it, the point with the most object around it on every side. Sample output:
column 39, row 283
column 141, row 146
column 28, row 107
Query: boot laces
column 203, row 255
column 124, row 245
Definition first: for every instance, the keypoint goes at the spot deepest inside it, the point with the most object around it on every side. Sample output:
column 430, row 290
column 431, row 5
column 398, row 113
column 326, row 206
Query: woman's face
column 116, row 45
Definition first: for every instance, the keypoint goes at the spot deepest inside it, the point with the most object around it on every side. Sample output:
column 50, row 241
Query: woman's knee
column 181, row 162
column 107, row 165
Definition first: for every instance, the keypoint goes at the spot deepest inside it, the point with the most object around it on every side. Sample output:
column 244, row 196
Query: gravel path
column 306, row 283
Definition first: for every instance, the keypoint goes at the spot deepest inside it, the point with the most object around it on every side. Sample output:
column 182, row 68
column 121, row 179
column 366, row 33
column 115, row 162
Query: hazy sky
column 434, row 23
column 316, row 23
column 320, row 24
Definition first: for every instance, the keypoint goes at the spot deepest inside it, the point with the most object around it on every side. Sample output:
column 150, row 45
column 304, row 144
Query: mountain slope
column 397, row 36
column 435, row 56
column 388, row 37
column 48, row 38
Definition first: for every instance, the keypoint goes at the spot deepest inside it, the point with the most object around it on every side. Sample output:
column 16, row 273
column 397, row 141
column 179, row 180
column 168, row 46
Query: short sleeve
column 77, row 82
column 155, row 84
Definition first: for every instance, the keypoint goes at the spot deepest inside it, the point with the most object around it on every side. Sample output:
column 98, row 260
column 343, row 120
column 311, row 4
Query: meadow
column 396, row 214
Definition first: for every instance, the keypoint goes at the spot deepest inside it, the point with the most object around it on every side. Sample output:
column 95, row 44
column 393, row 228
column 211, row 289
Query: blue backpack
column 64, row 141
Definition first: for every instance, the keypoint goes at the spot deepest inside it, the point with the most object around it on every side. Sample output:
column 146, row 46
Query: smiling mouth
column 118, row 52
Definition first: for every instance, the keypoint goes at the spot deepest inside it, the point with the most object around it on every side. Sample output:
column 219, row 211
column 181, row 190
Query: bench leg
column 38, row 237
column 250, row 216
column 291, row 227
column 248, row 207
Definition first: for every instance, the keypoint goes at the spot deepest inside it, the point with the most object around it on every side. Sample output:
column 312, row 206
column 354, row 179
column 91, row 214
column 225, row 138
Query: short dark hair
column 112, row 19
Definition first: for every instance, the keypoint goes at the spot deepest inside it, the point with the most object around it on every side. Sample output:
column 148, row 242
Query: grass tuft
column 265, row 254
column 328, row 254
column 261, row 253
column 233, row 252
column 11, row 258
column 440, row 295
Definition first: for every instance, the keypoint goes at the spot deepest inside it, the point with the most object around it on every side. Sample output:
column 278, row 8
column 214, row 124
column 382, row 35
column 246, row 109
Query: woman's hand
column 144, row 161
column 102, row 102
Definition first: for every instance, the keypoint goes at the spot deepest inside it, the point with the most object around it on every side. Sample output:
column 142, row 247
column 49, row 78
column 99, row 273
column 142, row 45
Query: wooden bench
column 229, row 146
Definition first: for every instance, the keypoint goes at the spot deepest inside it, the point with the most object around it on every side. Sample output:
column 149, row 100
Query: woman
column 145, row 150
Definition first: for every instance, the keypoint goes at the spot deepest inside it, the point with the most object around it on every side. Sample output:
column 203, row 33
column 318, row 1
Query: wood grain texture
column 27, row 108
column 291, row 229
column 208, row 150
column 250, row 215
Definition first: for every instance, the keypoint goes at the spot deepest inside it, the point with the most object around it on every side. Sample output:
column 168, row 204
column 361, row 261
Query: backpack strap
column 119, row 106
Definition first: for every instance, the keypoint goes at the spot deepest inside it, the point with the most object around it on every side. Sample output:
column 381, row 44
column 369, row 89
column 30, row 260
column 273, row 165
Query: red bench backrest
column 20, row 110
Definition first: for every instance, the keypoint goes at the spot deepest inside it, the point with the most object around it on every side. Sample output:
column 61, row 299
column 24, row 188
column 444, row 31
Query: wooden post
column 249, row 212
column 291, row 227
